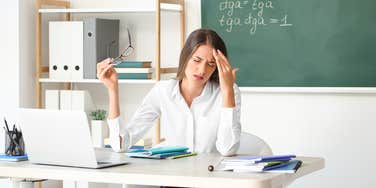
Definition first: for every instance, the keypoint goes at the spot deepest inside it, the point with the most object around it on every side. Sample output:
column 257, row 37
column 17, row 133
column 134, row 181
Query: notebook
column 45, row 132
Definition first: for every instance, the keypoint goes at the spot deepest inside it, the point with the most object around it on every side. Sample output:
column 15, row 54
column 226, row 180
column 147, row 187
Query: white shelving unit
column 93, row 81
column 64, row 7
column 164, row 7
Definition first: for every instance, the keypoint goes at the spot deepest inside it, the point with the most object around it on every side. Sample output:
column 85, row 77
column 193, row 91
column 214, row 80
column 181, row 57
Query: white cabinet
column 150, row 9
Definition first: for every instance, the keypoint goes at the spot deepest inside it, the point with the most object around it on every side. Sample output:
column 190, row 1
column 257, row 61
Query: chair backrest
column 253, row 145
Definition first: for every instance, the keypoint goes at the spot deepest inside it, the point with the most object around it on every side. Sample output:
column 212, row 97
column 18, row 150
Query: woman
column 200, row 108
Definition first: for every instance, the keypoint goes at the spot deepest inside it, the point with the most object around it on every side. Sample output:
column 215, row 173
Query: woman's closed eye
column 196, row 59
column 211, row 64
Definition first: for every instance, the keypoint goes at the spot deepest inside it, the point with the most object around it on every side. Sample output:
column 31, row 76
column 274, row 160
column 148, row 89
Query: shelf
column 125, row 81
column 145, row 6
column 164, row 7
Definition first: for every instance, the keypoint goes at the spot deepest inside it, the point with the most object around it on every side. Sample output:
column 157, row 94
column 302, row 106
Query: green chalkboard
column 298, row 43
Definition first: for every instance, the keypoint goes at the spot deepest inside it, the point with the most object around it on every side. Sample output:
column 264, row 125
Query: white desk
column 185, row 172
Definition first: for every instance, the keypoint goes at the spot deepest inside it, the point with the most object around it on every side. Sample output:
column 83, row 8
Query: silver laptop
column 57, row 137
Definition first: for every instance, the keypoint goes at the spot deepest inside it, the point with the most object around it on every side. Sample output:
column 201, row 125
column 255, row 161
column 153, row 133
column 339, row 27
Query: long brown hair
column 196, row 39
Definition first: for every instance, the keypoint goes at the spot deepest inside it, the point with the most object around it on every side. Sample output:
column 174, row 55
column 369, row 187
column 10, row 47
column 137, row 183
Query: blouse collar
column 208, row 89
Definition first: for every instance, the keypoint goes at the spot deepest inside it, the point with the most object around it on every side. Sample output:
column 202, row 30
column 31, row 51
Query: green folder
column 156, row 151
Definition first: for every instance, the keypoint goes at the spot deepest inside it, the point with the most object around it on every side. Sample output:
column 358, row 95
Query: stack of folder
column 160, row 153
column 275, row 163
column 134, row 70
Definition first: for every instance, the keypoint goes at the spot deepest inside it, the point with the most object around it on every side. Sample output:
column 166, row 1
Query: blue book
column 13, row 158
column 158, row 156
column 291, row 167
column 169, row 149
column 134, row 64
column 161, row 152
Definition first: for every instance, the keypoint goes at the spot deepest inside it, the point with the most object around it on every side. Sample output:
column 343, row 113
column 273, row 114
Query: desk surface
column 186, row 172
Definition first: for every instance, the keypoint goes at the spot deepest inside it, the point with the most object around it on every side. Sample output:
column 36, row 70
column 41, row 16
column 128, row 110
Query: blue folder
column 158, row 156
column 290, row 167
column 158, row 153
column 13, row 158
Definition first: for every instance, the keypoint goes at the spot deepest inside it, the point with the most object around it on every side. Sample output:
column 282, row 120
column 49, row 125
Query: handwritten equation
column 253, row 19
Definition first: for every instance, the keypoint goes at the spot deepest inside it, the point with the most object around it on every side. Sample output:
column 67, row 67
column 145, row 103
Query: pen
column 6, row 124
column 184, row 155
column 10, row 142
column 16, row 133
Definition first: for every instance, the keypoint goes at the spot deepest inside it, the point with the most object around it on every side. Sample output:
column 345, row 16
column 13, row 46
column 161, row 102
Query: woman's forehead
column 204, row 52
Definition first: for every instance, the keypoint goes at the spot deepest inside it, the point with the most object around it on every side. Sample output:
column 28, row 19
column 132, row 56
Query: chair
column 253, row 145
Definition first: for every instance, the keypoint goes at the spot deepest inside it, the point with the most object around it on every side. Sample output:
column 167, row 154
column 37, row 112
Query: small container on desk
column 14, row 144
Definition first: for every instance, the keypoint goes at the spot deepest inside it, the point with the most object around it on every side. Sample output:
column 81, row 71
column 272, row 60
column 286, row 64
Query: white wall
column 338, row 127
column 9, row 53
column 17, row 72
column 9, row 67
column 27, row 67
column 17, row 52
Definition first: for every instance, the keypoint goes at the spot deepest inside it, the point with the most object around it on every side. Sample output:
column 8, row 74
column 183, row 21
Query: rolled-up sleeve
column 143, row 119
column 228, row 135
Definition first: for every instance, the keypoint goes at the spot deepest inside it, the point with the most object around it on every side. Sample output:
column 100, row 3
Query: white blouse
column 204, row 127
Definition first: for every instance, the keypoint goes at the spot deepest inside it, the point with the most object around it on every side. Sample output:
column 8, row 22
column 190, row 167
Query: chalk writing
column 253, row 19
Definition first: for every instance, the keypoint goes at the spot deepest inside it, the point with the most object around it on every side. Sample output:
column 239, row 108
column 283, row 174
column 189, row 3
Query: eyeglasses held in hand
column 125, row 53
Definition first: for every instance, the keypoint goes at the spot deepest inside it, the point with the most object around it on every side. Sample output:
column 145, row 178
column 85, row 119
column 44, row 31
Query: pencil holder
column 14, row 144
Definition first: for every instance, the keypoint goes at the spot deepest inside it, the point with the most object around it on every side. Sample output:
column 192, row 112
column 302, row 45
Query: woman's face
column 201, row 65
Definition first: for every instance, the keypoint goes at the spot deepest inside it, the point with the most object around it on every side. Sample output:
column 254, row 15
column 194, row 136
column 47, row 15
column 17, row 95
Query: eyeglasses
column 128, row 51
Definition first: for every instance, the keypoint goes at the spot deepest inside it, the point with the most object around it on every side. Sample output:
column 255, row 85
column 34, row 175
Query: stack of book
column 159, row 153
column 275, row 163
column 134, row 70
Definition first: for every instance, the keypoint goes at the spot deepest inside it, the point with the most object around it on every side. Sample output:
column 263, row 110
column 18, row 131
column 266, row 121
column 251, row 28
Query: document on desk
column 248, row 160
column 159, row 153
column 275, row 163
